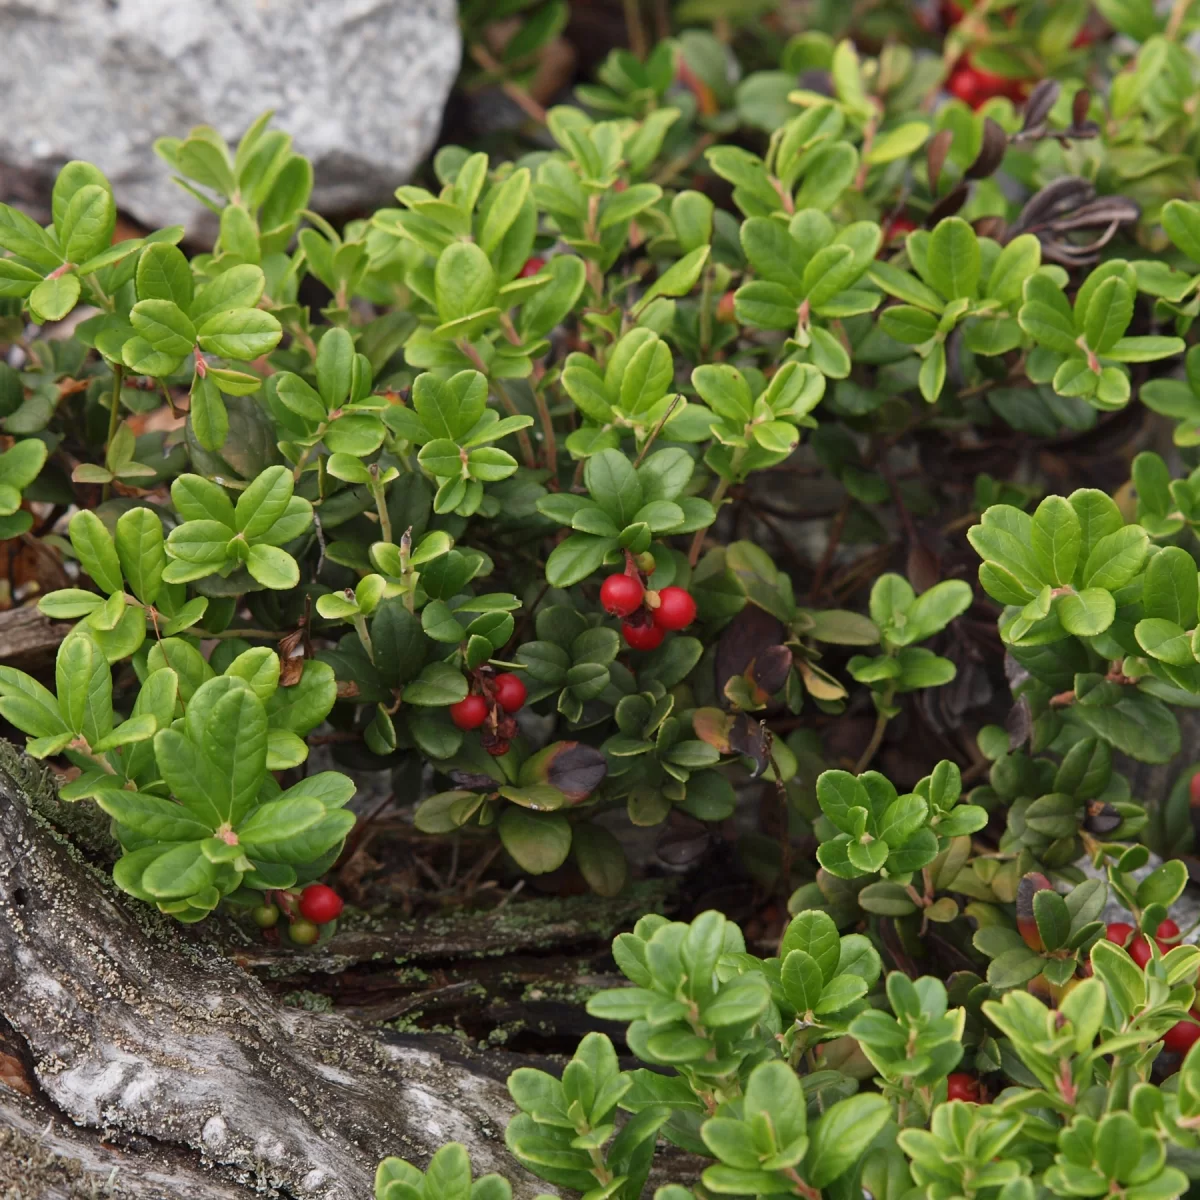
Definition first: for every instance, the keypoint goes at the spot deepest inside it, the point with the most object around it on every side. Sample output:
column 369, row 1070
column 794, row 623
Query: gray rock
column 360, row 84
column 1185, row 912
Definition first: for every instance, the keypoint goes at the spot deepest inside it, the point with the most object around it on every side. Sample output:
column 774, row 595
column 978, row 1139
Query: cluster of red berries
column 975, row 87
column 972, row 84
column 494, row 700
column 1180, row 1038
column 625, row 596
column 318, row 905
column 509, row 693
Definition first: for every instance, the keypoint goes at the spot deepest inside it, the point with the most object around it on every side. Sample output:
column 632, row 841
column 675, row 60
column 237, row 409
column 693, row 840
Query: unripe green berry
column 266, row 916
column 303, row 933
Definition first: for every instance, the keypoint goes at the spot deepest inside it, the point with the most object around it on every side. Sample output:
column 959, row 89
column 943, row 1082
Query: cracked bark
column 138, row 1031
column 44, row 1157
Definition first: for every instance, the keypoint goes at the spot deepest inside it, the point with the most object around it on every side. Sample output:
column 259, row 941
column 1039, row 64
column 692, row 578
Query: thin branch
column 905, row 516
column 681, row 162
column 656, row 431
column 1178, row 12
column 550, row 449
column 527, row 451
column 114, row 418
column 881, row 724
column 634, row 31
column 831, row 546
column 517, row 94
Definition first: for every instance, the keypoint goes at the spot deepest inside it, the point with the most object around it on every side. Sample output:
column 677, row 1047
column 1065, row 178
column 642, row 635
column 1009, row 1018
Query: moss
column 589, row 915
column 82, row 822
column 412, row 975
column 309, row 1001
column 409, row 1023
column 568, row 993
column 500, row 1035
column 28, row 1169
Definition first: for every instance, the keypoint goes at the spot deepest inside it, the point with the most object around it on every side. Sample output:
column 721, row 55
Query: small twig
column 905, row 516
column 517, row 887
column 472, row 877
column 204, row 635
column 774, row 524
column 550, row 448
column 681, row 162
column 114, row 418
column 835, row 537
column 1175, row 20
column 385, row 517
column 785, row 197
column 851, row 577
column 662, row 19
column 785, row 841
column 166, row 391
column 656, row 431
column 527, row 451
column 527, row 614
column 320, row 542
column 706, row 313
column 698, row 541
column 359, row 832
column 869, row 132
column 517, row 94
column 881, row 724
column 332, row 739
column 634, row 30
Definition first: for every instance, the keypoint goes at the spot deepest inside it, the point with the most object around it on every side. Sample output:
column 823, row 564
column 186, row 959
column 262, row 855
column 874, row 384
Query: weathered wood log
column 28, row 640
column 137, row 1029
column 43, row 1157
column 574, row 924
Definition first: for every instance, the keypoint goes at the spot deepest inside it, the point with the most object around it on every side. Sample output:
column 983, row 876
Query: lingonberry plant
column 787, row 438
column 759, row 1066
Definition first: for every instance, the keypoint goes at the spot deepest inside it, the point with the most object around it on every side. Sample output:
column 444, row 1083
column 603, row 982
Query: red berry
column 320, row 904
column 303, row 933
column 1139, row 950
column 975, row 87
column 1180, row 1038
column 643, row 637
column 952, row 13
column 1167, row 931
column 469, row 713
column 725, row 310
column 510, row 692
column 676, row 609
column 961, row 1086
column 962, row 85
column 897, row 228
column 621, row 595
column 532, row 267
column 1194, row 790
column 1118, row 932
